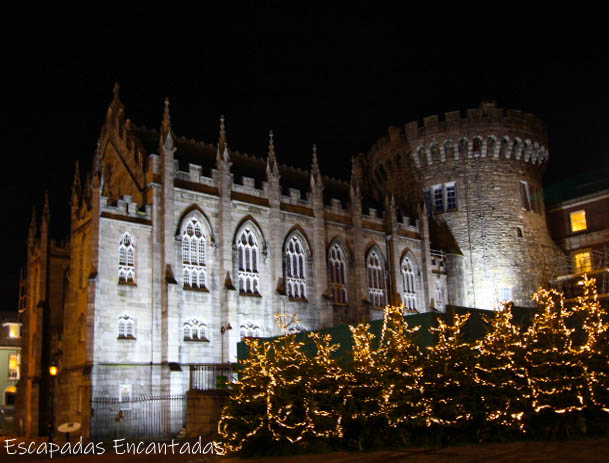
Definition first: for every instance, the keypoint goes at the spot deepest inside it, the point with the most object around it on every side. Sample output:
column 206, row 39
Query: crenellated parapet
column 485, row 132
column 125, row 207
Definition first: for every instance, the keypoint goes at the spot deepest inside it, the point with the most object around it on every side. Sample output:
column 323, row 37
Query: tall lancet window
column 194, row 265
column 247, row 250
column 295, row 273
column 126, row 259
column 375, row 270
column 337, row 272
column 439, row 295
column 408, row 283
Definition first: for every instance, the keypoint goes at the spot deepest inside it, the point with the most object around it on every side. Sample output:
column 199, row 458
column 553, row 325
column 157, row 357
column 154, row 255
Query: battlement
column 484, row 123
column 126, row 207
column 487, row 115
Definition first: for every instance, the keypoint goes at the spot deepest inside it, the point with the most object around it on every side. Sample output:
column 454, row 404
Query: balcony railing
column 574, row 265
column 212, row 376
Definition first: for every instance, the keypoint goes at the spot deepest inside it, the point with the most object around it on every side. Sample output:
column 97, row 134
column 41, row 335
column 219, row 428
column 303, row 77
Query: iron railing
column 212, row 376
column 146, row 417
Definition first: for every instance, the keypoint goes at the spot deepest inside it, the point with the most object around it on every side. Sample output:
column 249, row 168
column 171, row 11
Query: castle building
column 178, row 249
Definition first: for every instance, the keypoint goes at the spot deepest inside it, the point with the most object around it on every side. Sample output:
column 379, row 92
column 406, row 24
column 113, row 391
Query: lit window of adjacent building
column 337, row 273
column 578, row 221
column 13, row 366
column 14, row 330
column 583, row 262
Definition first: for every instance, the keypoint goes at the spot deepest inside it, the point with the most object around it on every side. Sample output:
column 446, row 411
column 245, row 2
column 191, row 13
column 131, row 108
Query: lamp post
column 53, row 372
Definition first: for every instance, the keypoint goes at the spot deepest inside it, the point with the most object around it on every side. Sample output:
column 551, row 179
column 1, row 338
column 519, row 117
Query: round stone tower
column 481, row 179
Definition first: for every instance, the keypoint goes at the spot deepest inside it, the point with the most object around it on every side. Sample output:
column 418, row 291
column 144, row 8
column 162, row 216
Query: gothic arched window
column 126, row 259
column 409, row 283
column 439, row 295
column 247, row 250
column 337, row 273
column 126, row 327
column 195, row 330
column 249, row 330
column 295, row 270
column 194, row 266
column 375, row 270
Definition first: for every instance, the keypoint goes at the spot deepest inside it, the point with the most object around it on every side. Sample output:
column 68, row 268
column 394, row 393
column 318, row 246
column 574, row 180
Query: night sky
column 336, row 75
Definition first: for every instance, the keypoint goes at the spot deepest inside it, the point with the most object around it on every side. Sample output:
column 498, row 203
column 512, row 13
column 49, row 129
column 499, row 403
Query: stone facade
column 481, row 176
column 261, row 238
column 179, row 248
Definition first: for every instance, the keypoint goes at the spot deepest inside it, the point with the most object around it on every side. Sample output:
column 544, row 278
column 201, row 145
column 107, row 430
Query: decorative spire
column 46, row 211
column 76, row 185
column 271, row 163
column 222, row 144
column 315, row 172
column 166, row 123
column 116, row 90
column 116, row 107
column 32, row 231
column 166, row 132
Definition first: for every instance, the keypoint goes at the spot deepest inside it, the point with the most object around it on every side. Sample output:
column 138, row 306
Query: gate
column 145, row 417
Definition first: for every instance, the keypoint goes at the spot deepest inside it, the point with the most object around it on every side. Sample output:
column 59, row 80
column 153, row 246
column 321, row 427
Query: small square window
column 578, row 221
column 505, row 294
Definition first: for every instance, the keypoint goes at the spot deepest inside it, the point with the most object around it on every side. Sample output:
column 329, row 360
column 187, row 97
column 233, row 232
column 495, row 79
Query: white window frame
column 338, row 274
column 439, row 293
column 126, row 258
column 250, row 330
column 126, row 326
column 505, row 294
column 248, row 262
column 295, row 268
column 197, row 330
column 194, row 255
column 375, row 273
column 409, row 283
column 124, row 390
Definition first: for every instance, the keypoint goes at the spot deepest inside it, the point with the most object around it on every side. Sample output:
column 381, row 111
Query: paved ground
column 584, row 451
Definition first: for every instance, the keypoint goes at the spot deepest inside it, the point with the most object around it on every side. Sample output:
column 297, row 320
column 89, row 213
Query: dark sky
column 336, row 75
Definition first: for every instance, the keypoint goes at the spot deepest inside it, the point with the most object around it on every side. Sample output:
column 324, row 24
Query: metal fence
column 212, row 376
column 146, row 417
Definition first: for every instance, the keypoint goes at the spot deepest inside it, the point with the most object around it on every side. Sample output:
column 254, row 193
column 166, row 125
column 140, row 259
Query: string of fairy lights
column 287, row 394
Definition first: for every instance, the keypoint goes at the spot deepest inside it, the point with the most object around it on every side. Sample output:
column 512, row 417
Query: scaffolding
column 566, row 271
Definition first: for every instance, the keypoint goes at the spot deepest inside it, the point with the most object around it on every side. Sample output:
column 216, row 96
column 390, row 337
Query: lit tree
column 555, row 370
column 500, row 373
column 325, row 387
column 595, row 350
column 363, row 420
column 448, row 377
column 283, row 395
column 244, row 418
column 399, row 365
